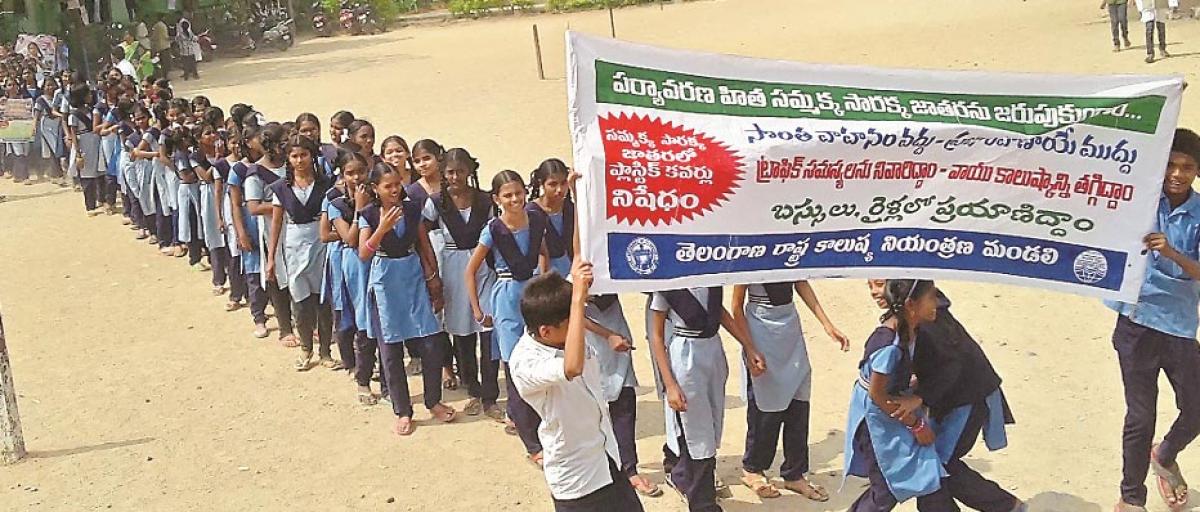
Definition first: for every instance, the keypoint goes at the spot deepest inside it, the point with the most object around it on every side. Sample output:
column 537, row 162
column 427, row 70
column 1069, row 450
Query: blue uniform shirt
column 521, row 236
column 1169, row 298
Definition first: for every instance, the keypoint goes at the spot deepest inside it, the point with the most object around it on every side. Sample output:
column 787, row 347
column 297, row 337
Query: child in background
column 85, row 148
column 462, row 211
column 362, row 134
column 548, row 191
column 339, row 125
column 514, row 241
column 270, row 168
column 244, row 224
column 693, row 370
column 333, row 288
column 295, row 242
column 1154, row 14
column 1118, row 21
column 780, row 398
column 309, row 126
column 222, row 174
column 888, row 440
column 404, row 292
column 180, row 146
column 205, row 157
column 551, row 365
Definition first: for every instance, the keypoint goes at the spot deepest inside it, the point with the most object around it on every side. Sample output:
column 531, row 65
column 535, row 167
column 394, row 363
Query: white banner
column 706, row 170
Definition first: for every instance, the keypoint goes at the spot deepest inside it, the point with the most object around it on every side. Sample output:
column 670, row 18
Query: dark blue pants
column 762, row 436
column 1162, row 37
column 431, row 348
column 614, row 497
column 312, row 315
column 878, row 497
column 258, row 297
column 623, row 412
column 695, row 478
column 281, row 300
column 343, row 336
column 220, row 260
column 1142, row 353
column 479, row 373
column 238, row 289
column 523, row 416
column 365, row 355
column 965, row 484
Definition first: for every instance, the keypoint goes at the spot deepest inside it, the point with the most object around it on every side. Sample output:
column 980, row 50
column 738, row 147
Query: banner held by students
column 705, row 170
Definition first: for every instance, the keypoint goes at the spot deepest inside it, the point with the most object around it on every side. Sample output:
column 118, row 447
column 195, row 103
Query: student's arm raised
column 575, row 351
column 810, row 299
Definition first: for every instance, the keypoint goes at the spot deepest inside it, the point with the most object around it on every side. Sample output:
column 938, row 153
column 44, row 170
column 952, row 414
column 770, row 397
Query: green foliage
column 478, row 7
column 385, row 10
column 576, row 5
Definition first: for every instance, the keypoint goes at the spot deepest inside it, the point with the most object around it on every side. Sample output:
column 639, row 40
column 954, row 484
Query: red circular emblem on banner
column 659, row 173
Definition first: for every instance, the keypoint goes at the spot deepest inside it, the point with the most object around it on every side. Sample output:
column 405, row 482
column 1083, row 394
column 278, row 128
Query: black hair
column 117, row 53
column 376, row 175
column 309, row 117
column 344, row 157
column 80, row 95
column 396, row 139
column 289, row 128
column 343, row 118
column 1187, row 142
column 181, row 105
column 300, row 141
column 200, row 101
column 897, row 293
column 546, row 301
column 273, row 138
column 214, row 117
column 250, row 118
column 503, row 178
column 458, row 156
column 429, row 146
column 357, row 125
column 544, row 171
column 238, row 112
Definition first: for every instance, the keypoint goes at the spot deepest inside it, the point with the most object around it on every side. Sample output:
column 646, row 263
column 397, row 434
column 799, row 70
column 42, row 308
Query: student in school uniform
column 206, row 156
column 561, row 379
column 549, row 200
column 142, row 173
column 180, row 146
column 271, row 167
column 295, row 242
column 1158, row 334
column 342, row 214
column 463, row 211
column 427, row 161
column 49, row 132
column 779, row 399
column 245, row 227
column 333, row 287
column 404, row 292
column 222, row 171
column 888, row 438
column 166, row 181
column 85, row 148
column 693, row 370
column 961, row 389
column 609, row 338
column 308, row 125
column 514, row 242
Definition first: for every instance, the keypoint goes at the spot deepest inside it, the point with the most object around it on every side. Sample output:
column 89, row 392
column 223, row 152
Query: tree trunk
column 12, row 444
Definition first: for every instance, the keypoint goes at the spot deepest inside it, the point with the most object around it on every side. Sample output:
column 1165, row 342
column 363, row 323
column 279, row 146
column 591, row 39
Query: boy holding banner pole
column 1158, row 333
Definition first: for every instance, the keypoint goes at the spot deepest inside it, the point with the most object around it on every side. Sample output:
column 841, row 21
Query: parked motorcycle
column 367, row 22
column 280, row 36
column 347, row 19
column 208, row 46
column 320, row 22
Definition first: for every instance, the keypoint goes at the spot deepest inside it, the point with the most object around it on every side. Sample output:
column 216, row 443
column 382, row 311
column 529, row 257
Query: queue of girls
column 400, row 255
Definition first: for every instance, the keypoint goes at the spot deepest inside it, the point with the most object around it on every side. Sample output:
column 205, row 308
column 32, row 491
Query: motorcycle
column 319, row 21
column 366, row 19
column 208, row 46
column 347, row 18
column 282, row 36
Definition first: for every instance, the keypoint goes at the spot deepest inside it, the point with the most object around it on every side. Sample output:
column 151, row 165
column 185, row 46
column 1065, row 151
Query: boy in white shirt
column 555, row 374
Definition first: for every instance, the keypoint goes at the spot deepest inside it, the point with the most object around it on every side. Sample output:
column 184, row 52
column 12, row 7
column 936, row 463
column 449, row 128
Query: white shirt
column 576, row 431
column 127, row 68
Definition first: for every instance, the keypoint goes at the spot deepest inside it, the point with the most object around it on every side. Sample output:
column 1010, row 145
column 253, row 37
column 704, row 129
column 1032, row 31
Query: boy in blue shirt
column 1159, row 333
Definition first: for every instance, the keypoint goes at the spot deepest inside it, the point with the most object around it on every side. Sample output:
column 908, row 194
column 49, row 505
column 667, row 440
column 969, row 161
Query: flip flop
column 535, row 459
column 451, row 384
column 367, row 399
column 1170, row 481
column 289, row 341
column 448, row 415
column 645, row 487
column 807, row 489
column 407, row 429
column 304, row 363
column 762, row 487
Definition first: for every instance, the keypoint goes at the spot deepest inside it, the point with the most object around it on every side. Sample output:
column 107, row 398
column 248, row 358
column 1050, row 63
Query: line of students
column 402, row 254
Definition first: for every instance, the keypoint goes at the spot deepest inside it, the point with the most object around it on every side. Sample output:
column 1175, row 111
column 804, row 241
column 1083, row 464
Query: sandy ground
column 139, row 393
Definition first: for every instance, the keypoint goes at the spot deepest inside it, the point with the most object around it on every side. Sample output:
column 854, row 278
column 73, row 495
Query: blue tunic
column 950, row 428
column 911, row 470
column 397, row 291
column 507, row 324
column 252, row 259
column 561, row 264
column 333, row 289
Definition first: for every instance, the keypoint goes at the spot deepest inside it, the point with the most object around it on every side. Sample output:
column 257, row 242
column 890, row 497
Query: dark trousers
column 878, row 497
column 238, row 290
column 762, row 436
column 20, row 166
column 344, row 337
column 221, row 261
column 1118, row 22
column 281, row 301
column 1162, row 37
column 965, row 484
column 523, row 416
column 188, row 63
column 164, row 224
column 617, row 496
column 258, row 297
column 92, row 191
column 431, row 348
column 136, row 215
column 110, row 190
column 480, row 374
column 695, row 478
column 364, row 358
column 196, row 246
column 1142, row 353
column 126, row 207
column 623, row 412
column 310, row 315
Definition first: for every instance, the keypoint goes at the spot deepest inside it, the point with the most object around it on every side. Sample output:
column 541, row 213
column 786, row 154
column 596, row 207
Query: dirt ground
column 138, row 392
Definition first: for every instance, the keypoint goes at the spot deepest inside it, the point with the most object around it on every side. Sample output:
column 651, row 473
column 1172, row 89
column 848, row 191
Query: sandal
column 233, row 306
column 645, row 487
column 450, row 383
column 474, row 407
column 444, row 413
column 304, row 363
column 494, row 412
column 289, row 341
column 758, row 483
column 328, row 362
column 807, row 489
column 536, row 460
column 510, row 428
column 404, row 426
column 367, row 399
column 1170, row 482
column 723, row 491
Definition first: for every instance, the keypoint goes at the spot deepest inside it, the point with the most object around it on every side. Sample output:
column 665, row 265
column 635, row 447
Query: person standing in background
column 1118, row 22
column 1154, row 15
column 160, row 45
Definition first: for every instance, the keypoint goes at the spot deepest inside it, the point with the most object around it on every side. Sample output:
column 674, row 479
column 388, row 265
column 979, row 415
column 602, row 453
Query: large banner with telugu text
column 705, row 170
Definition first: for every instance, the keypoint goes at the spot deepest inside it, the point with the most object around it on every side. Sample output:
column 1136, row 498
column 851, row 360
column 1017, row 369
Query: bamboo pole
column 537, row 49
column 12, row 443
column 612, row 24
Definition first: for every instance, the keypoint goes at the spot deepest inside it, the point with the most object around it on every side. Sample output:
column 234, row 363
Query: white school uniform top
column 576, row 431
column 1156, row 10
